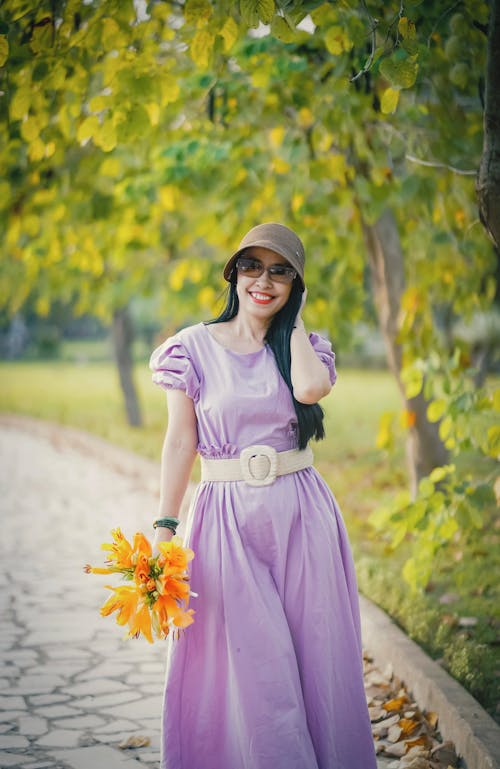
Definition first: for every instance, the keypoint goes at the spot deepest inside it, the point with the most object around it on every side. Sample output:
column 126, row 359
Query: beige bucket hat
column 277, row 238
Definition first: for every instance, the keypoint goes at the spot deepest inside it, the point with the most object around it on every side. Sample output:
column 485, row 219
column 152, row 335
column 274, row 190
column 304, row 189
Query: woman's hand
column 161, row 535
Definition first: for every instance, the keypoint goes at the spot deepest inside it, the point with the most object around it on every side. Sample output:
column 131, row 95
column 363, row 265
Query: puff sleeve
column 323, row 350
column 173, row 367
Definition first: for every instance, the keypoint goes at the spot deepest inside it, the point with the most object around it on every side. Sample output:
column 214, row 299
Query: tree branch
column 437, row 164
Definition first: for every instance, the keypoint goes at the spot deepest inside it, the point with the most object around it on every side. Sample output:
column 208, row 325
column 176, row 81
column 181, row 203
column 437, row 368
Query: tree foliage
column 141, row 140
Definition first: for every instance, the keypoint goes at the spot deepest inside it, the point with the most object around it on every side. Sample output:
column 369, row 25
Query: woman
column 269, row 676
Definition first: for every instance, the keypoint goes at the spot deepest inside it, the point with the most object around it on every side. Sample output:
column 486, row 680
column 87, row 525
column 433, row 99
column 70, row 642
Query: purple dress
column 270, row 675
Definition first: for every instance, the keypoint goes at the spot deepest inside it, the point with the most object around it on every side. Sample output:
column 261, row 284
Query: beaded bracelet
column 166, row 523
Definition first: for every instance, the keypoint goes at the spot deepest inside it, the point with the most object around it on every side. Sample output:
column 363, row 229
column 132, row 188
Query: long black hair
column 309, row 416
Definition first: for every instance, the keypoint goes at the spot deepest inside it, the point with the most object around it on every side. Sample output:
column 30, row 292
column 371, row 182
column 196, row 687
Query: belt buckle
column 259, row 465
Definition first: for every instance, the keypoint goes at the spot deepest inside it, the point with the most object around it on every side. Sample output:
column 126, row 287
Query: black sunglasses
column 252, row 268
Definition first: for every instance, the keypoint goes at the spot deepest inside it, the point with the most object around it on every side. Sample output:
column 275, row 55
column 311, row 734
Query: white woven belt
column 257, row 465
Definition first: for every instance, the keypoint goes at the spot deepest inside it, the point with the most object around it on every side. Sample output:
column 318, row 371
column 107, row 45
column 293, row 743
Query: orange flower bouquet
column 158, row 599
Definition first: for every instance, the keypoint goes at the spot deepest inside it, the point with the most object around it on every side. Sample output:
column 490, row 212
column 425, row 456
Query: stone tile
column 99, row 756
column 80, row 722
column 150, row 757
column 150, row 708
column 6, row 728
column 48, row 699
column 60, row 738
column 105, row 700
column 120, row 725
column 13, row 741
column 106, row 669
column 20, row 655
column 9, row 716
column 8, row 702
column 69, row 652
column 57, row 711
column 33, row 726
column 40, row 765
column 100, row 686
column 37, row 684
column 13, row 759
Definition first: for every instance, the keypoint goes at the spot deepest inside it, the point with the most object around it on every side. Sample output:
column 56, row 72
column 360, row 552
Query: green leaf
column 401, row 74
column 253, row 11
column 282, row 30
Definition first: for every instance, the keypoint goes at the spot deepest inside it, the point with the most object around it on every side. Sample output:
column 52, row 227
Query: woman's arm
column 310, row 377
column 177, row 457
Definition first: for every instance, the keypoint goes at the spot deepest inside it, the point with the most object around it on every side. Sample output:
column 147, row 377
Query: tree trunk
column 488, row 182
column 122, row 331
column 425, row 449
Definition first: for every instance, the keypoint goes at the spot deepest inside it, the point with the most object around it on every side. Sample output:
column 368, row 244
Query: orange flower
column 142, row 545
column 124, row 601
column 142, row 572
column 158, row 597
column 120, row 550
column 141, row 623
column 175, row 588
column 175, row 556
column 168, row 611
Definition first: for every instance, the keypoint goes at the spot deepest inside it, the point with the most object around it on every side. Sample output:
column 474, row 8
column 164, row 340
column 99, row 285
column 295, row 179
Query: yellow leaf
column 336, row 40
column 281, row 166
column 407, row 420
column 168, row 197
column 178, row 276
column 389, row 101
column 30, row 129
column 110, row 167
column 229, row 33
column 98, row 103
column 87, row 128
column 305, row 118
column 112, row 36
column 42, row 306
column 153, row 111
column 385, row 436
column 207, row 297
column 4, row 49
column 297, row 202
column 197, row 12
column 403, row 26
column 276, row 136
column 337, row 167
column 202, row 47
column 20, row 103
column 170, row 89
column 494, row 441
column 105, row 136
column 436, row 409
column 496, row 399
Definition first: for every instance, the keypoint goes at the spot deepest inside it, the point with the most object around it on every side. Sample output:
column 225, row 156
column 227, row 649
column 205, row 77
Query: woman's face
column 262, row 297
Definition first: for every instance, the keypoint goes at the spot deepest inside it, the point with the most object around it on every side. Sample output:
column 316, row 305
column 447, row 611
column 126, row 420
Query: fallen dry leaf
column 407, row 733
column 134, row 742
column 431, row 718
column 397, row 703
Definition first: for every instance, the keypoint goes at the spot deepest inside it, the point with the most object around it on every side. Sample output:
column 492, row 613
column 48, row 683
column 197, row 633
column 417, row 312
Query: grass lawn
column 82, row 391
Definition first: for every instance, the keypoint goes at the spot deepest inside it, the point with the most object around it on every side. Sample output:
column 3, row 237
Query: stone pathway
column 71, row 690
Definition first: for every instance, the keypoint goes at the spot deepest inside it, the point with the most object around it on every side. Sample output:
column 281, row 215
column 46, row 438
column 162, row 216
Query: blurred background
column 141, row 140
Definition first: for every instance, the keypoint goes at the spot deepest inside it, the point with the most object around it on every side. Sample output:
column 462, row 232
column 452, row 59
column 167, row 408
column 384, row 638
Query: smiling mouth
column 260, row 298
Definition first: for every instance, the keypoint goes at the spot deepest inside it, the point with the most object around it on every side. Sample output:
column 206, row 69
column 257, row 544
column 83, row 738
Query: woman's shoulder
column 190, row 334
